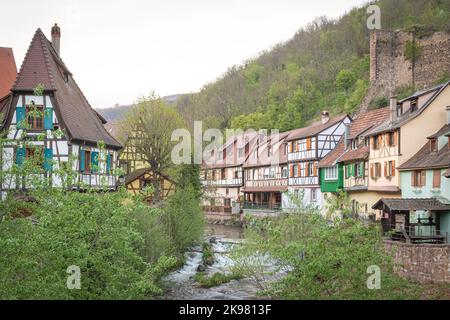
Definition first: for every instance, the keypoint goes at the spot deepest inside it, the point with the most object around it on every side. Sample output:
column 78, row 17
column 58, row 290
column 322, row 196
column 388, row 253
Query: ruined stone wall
column 391, row 70
column 423, row 263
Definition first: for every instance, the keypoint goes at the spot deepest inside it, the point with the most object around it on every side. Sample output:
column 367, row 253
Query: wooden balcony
column 223, row 182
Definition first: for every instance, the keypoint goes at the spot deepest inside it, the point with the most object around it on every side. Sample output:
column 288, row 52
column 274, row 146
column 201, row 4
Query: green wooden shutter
column 48, row 119
column 94, row 161
column 82, row 154
column 20, row 117
column 108, row 163
column 48, row 159
column 20, row 156
column 361, row 169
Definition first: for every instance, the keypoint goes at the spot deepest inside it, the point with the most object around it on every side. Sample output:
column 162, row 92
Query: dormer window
column 354, row 144
column 66, row 77
column 413, row 106
column 433, row 145
column 35, row 116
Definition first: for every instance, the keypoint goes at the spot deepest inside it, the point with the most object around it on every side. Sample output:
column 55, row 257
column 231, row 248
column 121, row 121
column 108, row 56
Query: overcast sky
column 120, row 50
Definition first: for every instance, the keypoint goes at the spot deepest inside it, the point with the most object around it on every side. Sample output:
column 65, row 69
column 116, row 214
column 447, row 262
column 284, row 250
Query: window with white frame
column 313, row 195
column 331, row 173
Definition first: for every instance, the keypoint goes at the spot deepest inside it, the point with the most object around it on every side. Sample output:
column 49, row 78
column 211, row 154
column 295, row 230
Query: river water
column 181, row 285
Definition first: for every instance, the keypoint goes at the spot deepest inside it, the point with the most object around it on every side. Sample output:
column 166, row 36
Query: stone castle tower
column 394, row 65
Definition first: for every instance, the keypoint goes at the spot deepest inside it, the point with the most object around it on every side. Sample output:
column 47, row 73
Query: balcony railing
column 415, row 233
column 223, row 182
column 280, row 182
column 261, row 206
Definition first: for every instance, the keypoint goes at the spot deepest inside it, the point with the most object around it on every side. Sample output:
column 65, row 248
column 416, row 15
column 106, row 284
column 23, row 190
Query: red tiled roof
column 330, row 159
column 360, row 153
column 314, row 129
column 361, row 124
column 277, row 157
column 8, row 71
column 367, row 120
column 42, row 65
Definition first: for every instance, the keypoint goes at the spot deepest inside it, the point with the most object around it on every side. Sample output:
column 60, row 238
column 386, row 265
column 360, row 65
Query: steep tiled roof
column 314, row 129
column 445, row 130
column 42, row 65
column 412, row 204
column 359, row 126
column 360, row 153
column 389, row 126
column 8, row 70
column 424, row 158
column 331, row 158
column 277, row 157
column 367, row 120
column 139, row 173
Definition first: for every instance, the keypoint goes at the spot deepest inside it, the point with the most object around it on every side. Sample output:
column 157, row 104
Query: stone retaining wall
column 423, row 263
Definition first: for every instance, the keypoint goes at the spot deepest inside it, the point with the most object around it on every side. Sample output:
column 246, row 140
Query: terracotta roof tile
column 8, row 71
column 330, row 159
column 361, row 153
column 314, row 129
column 42, row 65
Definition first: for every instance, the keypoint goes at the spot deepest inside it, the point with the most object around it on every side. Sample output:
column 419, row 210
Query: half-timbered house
column 347, row 167
column 61, row 114
column 222, row 173
column 398, row 138
column 266, row 174
column 306, row 147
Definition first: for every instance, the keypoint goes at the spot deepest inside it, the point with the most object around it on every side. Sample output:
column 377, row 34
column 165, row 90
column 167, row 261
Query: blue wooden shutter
column 94, row 161
column 20, row 117
column 20, row 156
column 81, row 160
column 48, row 159
column 48, row 119
column 108, row 163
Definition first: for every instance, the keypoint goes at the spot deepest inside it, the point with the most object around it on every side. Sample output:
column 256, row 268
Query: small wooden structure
column 136, row 181
column 397, row 219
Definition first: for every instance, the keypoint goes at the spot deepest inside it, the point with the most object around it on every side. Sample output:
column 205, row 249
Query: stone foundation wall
column 423, row 263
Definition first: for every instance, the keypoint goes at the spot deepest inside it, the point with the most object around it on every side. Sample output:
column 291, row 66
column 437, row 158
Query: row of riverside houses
column 393, row 162
column 252, row 170
column 62, row 107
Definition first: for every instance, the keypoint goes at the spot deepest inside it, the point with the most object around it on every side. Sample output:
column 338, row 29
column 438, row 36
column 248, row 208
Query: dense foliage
column 326, row 259
column 325, row 66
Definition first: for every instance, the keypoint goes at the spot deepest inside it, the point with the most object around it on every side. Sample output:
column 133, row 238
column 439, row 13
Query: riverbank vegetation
column 120, row 245
column 325, row 259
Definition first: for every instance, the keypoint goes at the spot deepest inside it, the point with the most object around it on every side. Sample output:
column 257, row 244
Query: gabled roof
column 277, row 157
column 417, row 94
column 139, row 173
column 425, row 159
column 8, row 71
column 314, row 129
column 358, row 127
column 411, row 204
column 331, row 158
column 390, row 126
column 42, row 65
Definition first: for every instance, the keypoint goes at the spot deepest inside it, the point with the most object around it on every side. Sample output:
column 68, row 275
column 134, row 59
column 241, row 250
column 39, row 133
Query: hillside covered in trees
column 325, row 66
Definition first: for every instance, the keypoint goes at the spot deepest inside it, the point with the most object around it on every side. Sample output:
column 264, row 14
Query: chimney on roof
column 346, row 135
column 56, row 37
column 325, row 117
column 393, row 108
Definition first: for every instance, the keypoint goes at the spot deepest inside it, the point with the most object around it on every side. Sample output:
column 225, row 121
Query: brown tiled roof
column 8, row 70
column 360, row 153
column 424, row 158
column 389, row 126
column 278, row 156
column 411, row 204
column 139, row 173
column 212, row 162
column 359, row 126
column 314, row 129
column 367, row 120
column 331, row 158
column 42, row 65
